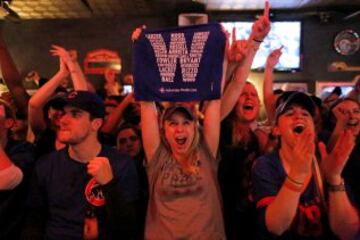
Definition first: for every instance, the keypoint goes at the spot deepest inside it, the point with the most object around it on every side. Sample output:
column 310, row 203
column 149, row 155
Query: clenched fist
column 100, row 169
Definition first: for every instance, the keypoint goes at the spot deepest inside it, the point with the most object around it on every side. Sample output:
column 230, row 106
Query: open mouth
column 248, row 107
column 353, row 123
column 299, row 128
column 180, row 140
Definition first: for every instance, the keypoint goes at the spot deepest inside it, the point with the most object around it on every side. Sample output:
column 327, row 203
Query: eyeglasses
column 131, row 139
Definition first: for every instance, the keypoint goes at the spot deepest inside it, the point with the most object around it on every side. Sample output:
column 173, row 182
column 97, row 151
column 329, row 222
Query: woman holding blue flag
column 184, row 199
column 182, row 164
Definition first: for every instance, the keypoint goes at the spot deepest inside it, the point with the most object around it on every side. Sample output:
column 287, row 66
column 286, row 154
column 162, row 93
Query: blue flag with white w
column 179, row 64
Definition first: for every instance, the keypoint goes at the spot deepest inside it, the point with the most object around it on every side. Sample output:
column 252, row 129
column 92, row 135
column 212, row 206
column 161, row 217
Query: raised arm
column 340, row 126
column 212, row 118
column 70, row 60
column 271, row 61
column 281, row 212
column 12, row 78
column 150, row 129
column 343, row 216
column 42, row 96
column 116, row 115
column 260, row 29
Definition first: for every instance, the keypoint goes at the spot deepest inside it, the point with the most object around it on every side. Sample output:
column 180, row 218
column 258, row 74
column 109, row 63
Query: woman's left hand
column 334, row 162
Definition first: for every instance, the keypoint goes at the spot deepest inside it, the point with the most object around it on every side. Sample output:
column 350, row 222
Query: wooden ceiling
column 74, row 9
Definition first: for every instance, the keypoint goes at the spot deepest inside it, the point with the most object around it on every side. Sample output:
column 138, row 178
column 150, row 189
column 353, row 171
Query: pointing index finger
column 266, row 9
column 233, row 39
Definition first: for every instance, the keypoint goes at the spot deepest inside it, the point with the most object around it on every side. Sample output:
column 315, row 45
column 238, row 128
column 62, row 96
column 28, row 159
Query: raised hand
column 274, row 57
column 100, row 169
column 261, row 27
column 341, row 116
column 137, row 32
column 333, row 163
column 63, row 57
column 61, row 53
column 238, row 48
column 301, row 156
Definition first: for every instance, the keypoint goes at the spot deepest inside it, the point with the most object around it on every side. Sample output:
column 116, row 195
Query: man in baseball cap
column 87, row 101
column 86, row 178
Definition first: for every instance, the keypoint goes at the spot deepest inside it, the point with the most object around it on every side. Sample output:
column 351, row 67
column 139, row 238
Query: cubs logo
column 94, row 194
column 72, row 95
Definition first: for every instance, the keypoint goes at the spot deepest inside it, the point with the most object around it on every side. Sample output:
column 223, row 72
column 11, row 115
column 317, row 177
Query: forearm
column 343, row 217
column 232, row 66
column 44, row 93
column 12, row 78
column 281, row 212
column 232, row 92
column 335, row 136
column 149, row 128
column 268, row 92
column 77, row 75
column 212, row 125
column 234, row 88
column 116, row 115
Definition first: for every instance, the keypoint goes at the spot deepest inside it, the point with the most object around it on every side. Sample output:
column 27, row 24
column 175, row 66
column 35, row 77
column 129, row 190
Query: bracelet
column 337, row 188
column 292, row 186
column 258, row 41
column 294, row 181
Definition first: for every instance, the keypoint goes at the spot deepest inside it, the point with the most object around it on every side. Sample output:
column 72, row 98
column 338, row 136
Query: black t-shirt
column 63, row 187
column 12, row 202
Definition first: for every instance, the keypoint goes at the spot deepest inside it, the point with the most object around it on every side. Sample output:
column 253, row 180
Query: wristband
column 293, row 186
column 256, row 40
column 294, row 181
column 337, row 188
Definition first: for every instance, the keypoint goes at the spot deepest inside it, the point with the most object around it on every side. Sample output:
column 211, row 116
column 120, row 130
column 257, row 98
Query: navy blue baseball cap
column 177, row 108
column 290, row 98
column 87, row 101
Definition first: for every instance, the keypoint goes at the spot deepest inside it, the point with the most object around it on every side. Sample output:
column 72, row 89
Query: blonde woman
column 184, row 200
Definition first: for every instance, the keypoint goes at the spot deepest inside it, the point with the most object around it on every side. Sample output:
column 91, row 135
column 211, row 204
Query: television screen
column 286, row 34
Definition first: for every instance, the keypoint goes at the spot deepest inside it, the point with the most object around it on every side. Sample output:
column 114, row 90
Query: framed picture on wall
column 291, row 86
column 325, row 87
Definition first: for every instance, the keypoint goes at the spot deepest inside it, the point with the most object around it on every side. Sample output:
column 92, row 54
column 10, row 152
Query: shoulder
column 20, row 152
column 113, row 154
column 51, row 158
column 15, row 147
column 51, row 163
column 267, row 165
column 117, row 159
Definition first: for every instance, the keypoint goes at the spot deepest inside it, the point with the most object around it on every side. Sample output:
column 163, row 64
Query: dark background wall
column 30, row 41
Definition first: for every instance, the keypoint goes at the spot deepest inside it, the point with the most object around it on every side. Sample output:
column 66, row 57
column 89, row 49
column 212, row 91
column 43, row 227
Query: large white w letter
column 167, row 61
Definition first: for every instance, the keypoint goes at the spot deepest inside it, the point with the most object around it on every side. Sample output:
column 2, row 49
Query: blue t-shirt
column 179, row 64
column 62, row 184
column 310, row 221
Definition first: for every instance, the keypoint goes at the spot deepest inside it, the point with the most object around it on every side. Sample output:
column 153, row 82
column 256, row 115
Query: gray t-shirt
column 184, row 205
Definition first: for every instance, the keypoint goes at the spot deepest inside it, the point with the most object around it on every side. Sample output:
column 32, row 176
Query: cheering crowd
column 91, row 164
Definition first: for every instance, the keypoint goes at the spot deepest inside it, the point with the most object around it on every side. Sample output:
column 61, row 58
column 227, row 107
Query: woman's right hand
column 274, row 57
column 301, row 157
column 137, row 32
